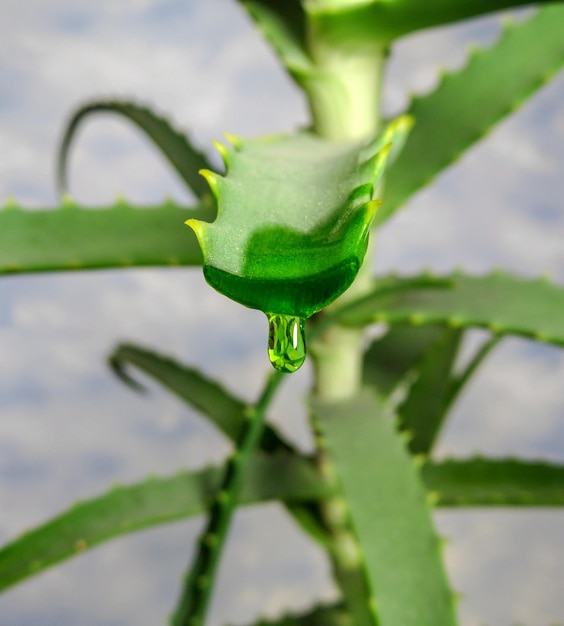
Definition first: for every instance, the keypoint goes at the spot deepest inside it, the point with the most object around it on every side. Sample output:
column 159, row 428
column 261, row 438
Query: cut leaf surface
column 293, row 219
column 499, row 302
column 467, row 104
column 176, row 147
column 374, row 467
column 72, row 237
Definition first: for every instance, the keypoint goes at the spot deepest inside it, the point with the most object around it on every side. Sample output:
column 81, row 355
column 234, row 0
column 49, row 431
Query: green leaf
column 284, row 26
column 423, row 410
column 320, row 616
column 151, row 502
column 224, row 410
column 466, row 105
column 495, row 482
column 71, row 237
column 374, row 467
column 390, row 358
column 175, row 146
column 198, row 583
column 460, row 379
column 368, row 22
column 500, row 303
column 293, row 219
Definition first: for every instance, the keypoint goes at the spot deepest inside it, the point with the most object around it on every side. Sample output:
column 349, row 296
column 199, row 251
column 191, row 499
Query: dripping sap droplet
column 286, row 342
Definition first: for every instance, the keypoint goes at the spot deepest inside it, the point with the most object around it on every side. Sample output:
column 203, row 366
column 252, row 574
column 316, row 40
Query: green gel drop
column 286, row 342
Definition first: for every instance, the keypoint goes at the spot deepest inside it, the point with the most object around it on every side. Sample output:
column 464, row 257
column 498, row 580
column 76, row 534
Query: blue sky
column 68, row 429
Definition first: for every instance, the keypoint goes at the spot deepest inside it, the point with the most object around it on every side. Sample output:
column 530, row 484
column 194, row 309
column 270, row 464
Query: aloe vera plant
column 286, row 229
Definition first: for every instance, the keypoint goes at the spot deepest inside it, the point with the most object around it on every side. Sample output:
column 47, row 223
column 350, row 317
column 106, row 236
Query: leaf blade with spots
column 146, row 504
column 499, row 302
column 373, row 467
column 467, row 104
column 495, row 482
column 225, row 411
column 71, row 237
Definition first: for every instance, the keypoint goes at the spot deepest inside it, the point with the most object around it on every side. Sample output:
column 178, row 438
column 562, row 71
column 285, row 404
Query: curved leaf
column 225, row 411
column 175, row 146
column 499, row 302
column 495, row 482
column 374, row 467
column 293, row 219
column 151, row 502
column 72, row 237
column 467, row 104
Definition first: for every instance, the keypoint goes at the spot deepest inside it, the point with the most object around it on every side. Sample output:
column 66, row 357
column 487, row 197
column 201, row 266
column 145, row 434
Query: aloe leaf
column 293, row 218
column 72, row 237
column 227, row 412
column 198, row 583
column 498, row 302
column 374, row 467
column 391, row 357
column 149, row 503
column 175, row 146
column 459, row 381
column 283, row 24
column 467, row 104
column 495, row 482
column 373, row 22
column 422, row 411
column 320, row 616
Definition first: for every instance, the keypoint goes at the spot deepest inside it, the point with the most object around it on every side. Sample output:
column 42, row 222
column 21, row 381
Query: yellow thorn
column 213, row 179
column 233, row 140
column 417, row 319
column 67, row 201
column 223, row 152
column 11, row 203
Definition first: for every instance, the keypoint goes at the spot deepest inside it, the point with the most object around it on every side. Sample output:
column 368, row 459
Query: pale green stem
column 344, row 96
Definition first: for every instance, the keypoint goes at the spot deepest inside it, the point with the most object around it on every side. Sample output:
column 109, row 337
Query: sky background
column 68, row 429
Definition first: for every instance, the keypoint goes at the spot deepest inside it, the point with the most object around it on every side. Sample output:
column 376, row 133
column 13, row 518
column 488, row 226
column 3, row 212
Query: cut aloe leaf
column 293, row 219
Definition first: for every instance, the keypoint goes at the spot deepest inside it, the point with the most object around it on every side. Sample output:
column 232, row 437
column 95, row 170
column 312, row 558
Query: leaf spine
column 223, row 152
column 213, row 179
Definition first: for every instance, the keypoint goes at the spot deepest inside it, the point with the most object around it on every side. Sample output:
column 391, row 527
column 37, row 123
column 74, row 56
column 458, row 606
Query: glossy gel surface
column 286, row 342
